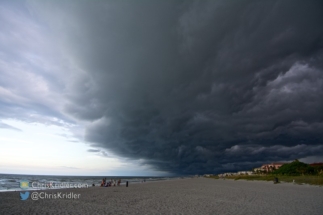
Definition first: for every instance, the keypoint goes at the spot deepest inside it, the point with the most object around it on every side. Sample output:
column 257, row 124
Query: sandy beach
column 182, row 196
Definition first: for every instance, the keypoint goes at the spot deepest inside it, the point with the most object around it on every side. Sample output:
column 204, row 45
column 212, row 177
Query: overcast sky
column 159, row 87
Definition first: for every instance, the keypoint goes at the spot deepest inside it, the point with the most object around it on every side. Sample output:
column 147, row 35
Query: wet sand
column 182, row 196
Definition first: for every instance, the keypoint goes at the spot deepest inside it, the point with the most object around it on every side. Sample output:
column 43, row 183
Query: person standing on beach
column 103, row 183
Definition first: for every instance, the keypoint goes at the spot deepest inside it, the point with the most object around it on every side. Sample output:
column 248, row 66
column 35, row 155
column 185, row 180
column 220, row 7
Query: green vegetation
column 297, row 172
column 298, row 168
column 213, row 176
column 252, row 177
column 304, row 179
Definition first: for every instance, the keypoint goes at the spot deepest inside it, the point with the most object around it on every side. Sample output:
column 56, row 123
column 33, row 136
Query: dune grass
column 305, row 179
column 213, row 176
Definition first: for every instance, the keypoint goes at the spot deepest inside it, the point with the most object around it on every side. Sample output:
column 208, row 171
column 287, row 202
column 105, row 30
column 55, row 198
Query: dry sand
column 183, row 196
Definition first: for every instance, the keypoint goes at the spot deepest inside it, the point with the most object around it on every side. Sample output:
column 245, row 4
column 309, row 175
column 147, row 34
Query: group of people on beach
column 110, row 183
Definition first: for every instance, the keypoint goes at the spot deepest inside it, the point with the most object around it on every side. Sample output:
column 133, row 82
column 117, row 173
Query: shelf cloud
column 189, row 86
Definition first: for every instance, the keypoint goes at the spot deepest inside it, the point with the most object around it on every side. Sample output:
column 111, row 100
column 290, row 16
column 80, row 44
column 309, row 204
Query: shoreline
column 181, row 196
column 90, row 186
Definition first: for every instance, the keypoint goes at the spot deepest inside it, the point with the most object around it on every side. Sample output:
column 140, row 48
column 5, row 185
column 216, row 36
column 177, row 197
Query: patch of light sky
column 52, row 149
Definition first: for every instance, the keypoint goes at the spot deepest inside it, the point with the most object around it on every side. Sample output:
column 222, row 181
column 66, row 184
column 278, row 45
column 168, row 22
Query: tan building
column 258, row 169
column 271, row 167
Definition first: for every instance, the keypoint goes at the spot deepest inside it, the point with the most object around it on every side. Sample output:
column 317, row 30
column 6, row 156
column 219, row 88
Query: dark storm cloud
column 197, row 86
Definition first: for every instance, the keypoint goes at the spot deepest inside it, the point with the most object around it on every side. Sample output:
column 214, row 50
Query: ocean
column 12, row 182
